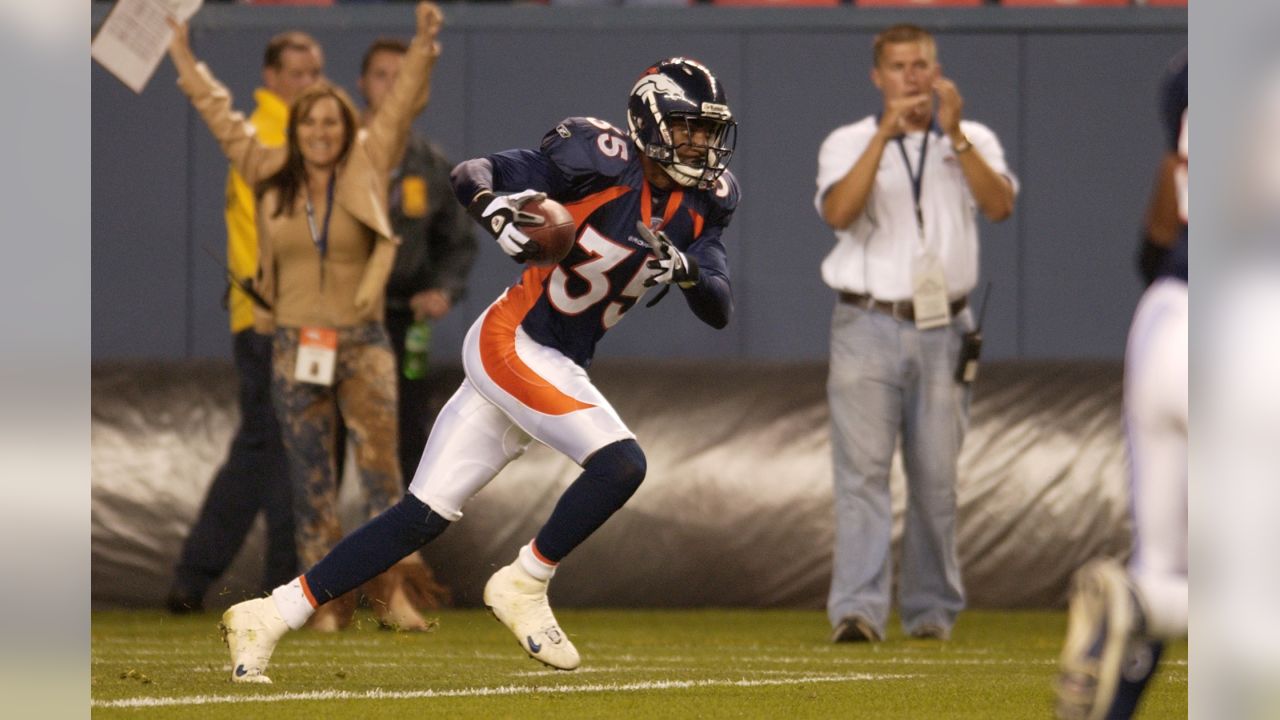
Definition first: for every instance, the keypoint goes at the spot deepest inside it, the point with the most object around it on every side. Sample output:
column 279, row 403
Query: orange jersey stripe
column 582, row 209
column 697, row 223
column 498, row 349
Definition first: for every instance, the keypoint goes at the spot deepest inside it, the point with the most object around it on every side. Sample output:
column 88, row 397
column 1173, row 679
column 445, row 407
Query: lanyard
column 917, row 177
column 321, row 239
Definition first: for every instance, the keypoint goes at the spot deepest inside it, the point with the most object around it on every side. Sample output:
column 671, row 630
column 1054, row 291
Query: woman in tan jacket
column 326, row 250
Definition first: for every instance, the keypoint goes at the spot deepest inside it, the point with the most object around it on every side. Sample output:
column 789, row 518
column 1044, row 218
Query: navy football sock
column 609, row 478
column 375, row 546
column 1136, row 672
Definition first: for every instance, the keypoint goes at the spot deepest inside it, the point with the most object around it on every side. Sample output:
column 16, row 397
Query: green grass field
column 636, row 664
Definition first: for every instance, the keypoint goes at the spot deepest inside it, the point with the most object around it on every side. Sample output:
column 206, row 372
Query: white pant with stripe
column 1155, row 410
column 516, row 390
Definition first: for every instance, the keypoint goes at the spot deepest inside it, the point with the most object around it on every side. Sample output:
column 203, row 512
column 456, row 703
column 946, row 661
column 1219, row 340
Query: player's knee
column 623, row 462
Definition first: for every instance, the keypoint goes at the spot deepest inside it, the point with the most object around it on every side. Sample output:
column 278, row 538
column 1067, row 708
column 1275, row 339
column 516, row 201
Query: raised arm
column 253, row 160
column 388, row 130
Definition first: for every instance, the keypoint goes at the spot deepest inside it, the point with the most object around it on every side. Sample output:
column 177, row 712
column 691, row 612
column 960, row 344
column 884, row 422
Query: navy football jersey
column 1173, row 105
column 1173, row 99
column 592, row 168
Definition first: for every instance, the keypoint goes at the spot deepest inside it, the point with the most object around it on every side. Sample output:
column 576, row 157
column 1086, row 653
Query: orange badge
column 413, row 196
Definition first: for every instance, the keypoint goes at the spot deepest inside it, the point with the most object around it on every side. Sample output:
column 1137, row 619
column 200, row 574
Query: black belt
column 900, row 310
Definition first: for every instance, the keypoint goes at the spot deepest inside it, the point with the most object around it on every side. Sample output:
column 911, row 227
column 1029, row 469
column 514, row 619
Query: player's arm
column 711, row 297
column 701, row 271
column 505, row 172
column 478, row 182
column 1162, row 225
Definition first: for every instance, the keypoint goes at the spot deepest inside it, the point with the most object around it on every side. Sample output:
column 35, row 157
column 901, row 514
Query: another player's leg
column 1101, row 626
column 1117, row 618
column 517, row 594
column 470, row 443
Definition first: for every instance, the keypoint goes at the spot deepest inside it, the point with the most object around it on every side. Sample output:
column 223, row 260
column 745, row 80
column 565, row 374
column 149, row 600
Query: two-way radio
column 971, row 345
column 241, row 284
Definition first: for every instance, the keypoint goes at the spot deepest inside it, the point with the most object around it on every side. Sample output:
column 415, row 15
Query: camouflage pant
column 363, row 393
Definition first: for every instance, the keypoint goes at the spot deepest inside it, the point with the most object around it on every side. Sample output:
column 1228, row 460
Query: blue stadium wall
column 1071, row 92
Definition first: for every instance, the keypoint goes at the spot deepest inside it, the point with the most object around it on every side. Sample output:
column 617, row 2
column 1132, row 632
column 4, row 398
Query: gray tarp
column 736, row 510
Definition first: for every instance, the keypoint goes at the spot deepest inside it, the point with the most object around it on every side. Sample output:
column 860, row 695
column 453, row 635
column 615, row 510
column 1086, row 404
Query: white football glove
column 502, row 217
column 671, row 266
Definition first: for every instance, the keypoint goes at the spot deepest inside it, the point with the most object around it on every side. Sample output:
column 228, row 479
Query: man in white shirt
column 900, row 189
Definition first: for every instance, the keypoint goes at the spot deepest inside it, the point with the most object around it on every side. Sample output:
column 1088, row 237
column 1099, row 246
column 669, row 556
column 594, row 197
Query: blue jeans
column 255, row 477
column 889, row 380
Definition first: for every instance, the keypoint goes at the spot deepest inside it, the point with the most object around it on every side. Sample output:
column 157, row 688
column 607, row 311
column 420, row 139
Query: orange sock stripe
column 498, row 349
column 533, row 545
column 306, row 590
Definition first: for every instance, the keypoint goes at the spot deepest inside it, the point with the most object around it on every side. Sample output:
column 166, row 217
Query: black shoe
column 854, row 628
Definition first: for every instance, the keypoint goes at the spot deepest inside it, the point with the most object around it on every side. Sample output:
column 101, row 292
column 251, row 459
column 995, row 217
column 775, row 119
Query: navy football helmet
column 682, row 93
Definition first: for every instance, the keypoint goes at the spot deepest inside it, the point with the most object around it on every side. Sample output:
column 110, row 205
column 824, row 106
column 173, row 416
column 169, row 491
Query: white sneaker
column 1100, row 627
column 519, row 600
column 251, row 630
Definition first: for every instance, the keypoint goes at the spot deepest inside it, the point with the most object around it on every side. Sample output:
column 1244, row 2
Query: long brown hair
column 293, row 175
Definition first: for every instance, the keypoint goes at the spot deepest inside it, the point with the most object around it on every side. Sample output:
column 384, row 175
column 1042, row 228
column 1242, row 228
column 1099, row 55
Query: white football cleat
column 519, row 600
column 251, row 630
column 1101, row 622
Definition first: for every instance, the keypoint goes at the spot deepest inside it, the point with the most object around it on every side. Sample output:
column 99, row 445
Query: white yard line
column 484, row 691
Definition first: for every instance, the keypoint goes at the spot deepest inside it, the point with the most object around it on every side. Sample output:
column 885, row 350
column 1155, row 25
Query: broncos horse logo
column 649, row 87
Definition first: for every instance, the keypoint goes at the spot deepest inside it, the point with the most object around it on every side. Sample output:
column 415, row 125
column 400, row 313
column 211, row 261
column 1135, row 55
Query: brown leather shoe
column 855, row 628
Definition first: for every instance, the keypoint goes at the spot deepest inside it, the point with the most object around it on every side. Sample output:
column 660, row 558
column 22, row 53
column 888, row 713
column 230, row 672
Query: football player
column 1118, row 617
column 650, row 205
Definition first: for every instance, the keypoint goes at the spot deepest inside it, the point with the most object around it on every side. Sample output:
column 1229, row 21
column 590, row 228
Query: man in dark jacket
column 435, row 253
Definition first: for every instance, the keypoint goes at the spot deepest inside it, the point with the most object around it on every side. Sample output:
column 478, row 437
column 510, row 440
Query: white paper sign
column 135, row 37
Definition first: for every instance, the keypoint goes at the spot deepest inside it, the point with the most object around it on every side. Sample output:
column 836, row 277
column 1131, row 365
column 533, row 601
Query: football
column 555, row 236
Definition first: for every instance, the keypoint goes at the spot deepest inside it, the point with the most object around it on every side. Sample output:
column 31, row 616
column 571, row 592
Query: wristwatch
column 963, row 146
